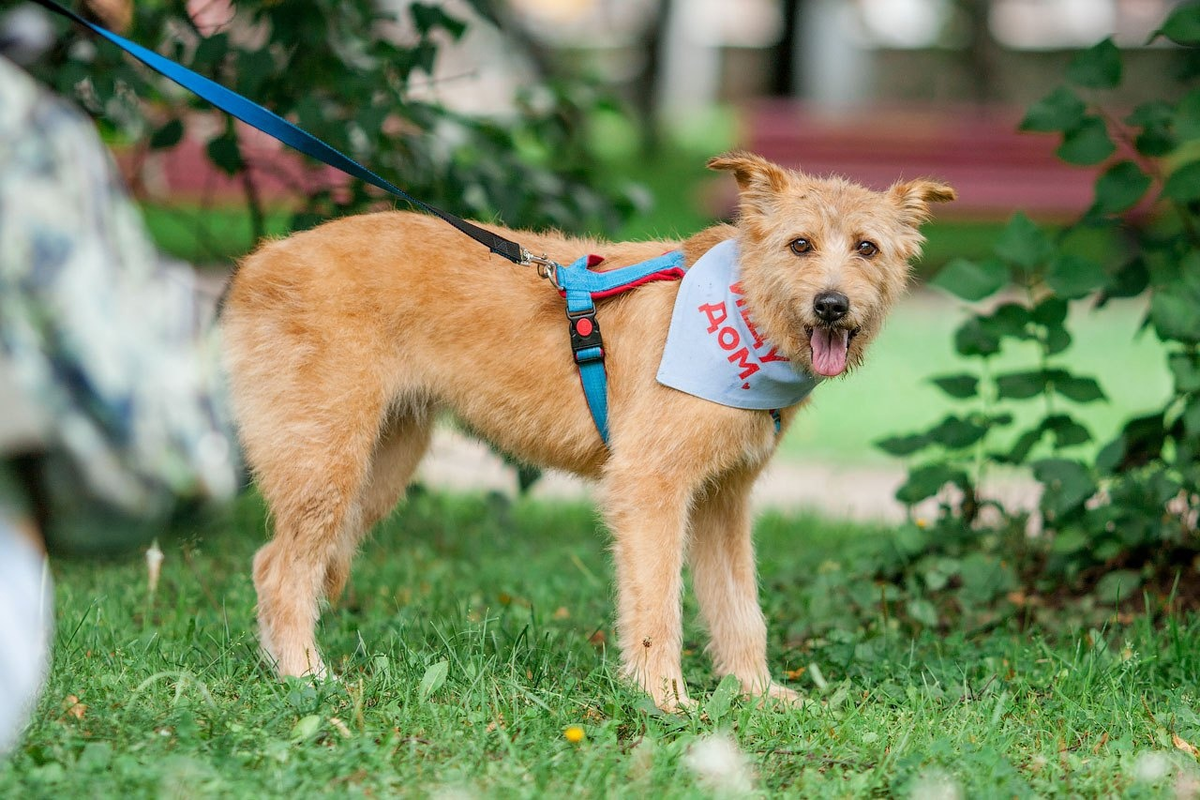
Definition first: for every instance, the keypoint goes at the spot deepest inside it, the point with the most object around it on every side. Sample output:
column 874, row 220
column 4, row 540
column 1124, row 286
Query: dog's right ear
column 752, row 172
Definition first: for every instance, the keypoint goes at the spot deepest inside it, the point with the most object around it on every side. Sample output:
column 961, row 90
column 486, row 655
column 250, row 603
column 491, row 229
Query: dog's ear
column 752, row 172
column 913, row 198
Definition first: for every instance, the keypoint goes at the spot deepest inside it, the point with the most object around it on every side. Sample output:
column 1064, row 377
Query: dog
column 343, row 345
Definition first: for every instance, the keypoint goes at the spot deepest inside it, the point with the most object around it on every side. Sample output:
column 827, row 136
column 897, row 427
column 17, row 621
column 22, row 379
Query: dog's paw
column 784, row 695
column 781, row 697
column 674, row 702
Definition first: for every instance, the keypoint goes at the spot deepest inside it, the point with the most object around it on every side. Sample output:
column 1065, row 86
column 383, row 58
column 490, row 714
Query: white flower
column 936, row 784
column 1151, row 766
column 719, row 765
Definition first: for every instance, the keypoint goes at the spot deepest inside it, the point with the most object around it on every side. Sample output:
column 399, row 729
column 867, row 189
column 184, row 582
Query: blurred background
column 598, row 115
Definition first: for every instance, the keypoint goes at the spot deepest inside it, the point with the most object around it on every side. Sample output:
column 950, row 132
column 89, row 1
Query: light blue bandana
column 713, row 350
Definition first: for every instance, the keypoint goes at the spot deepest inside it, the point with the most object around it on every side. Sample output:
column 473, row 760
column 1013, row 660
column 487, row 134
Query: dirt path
column 848, row 492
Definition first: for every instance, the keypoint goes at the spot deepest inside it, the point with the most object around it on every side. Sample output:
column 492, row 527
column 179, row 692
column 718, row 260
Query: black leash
column 279, row 128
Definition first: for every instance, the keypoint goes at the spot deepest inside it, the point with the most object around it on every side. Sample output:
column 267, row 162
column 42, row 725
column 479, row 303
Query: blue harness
column 582, row 286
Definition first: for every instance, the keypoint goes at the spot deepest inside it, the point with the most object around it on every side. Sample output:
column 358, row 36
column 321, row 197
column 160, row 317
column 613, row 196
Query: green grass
column 515, row 600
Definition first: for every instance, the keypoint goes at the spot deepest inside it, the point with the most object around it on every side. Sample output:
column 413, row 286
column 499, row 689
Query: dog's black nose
column 831, row 306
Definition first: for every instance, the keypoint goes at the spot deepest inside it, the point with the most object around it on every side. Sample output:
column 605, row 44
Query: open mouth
column 829, row 349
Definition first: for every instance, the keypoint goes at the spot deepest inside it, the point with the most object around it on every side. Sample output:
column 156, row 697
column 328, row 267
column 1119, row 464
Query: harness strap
column 279, row 128
column 581, row 287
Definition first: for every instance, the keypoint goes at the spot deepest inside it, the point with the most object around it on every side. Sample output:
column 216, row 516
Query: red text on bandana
column 747, row 357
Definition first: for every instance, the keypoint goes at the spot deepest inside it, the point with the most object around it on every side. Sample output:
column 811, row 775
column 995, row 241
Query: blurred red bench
column 995, row 168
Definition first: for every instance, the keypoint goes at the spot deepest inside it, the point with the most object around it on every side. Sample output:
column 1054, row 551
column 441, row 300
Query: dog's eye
column 867, row 249
column 801, row 246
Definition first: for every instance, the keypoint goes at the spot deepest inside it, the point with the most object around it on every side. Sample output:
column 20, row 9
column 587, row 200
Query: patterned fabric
column 713, row 349
column 98, row 334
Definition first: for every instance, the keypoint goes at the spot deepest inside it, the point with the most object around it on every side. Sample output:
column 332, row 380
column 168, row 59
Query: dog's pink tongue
column 829, row 351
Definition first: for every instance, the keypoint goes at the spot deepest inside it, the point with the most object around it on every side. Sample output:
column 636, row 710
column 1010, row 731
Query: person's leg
column 26, row 615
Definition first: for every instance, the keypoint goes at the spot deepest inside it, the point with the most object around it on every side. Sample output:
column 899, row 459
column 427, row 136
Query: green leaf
column 209, row 53
column 1156, row 119
column 904, row 445
column 428, row 17
column 955, row 433
column 1186, row 121
column 1155, row 140
column 1175, row 317
column 985, row 577
column 1068, row 484
column 1023, row 243
column 1186, row 369
column 168, row 135
column 1182, row 25
column 974, row 339
column 1024, row 444
column 1120, row 584
column 433, row 679
column 972, row 280
column 926, row 481
column 1068, row 541
column 722, row 698
column 1057, row 339
column 306, row 727
column 1067, row 432
column 922, row 611
column 1058, row 111
column 1087, row 143
column 1120, row 187
column 1109, row 459
column 1191, row 417
column 1009, row 319
column 1020, row 385
column 1183, row 185
column 1051, row 311
column 1073, row 387
column 1130, row 280
column 224, row 152
column 254, row 67
column 961, row 386
column 1153, row 112
column 1098, row 67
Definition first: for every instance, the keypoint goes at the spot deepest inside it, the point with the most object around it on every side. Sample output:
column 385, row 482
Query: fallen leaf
column 72, row 706
column 1184, row 745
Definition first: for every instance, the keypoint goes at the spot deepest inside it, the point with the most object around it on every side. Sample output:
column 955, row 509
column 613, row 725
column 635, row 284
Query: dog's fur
column 345, row 342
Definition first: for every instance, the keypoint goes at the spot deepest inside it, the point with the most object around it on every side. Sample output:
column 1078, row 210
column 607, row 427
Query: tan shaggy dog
column 343, row 345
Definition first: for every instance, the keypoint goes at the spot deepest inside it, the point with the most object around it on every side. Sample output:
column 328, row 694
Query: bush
column 337, row 70
column 1135, row 499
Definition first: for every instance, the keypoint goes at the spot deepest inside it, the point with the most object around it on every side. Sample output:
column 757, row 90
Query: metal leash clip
column 545, row 267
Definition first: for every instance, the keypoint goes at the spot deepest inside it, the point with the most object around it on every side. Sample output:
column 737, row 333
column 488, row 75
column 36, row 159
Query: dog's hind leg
column 397, row 454
column 312, row 480
column 724, row 578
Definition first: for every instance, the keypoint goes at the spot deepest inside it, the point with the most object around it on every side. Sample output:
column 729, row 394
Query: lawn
column 477, row 634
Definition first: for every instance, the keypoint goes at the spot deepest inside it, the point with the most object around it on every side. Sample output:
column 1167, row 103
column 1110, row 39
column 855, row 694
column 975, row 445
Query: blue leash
column 276, row 126
column 578, row 282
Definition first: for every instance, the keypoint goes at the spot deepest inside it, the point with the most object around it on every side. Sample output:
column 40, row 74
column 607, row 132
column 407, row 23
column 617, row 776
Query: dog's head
column 822, row 260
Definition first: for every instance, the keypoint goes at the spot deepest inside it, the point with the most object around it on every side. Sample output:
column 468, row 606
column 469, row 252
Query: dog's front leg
column 725, row 580
column 647, row 514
